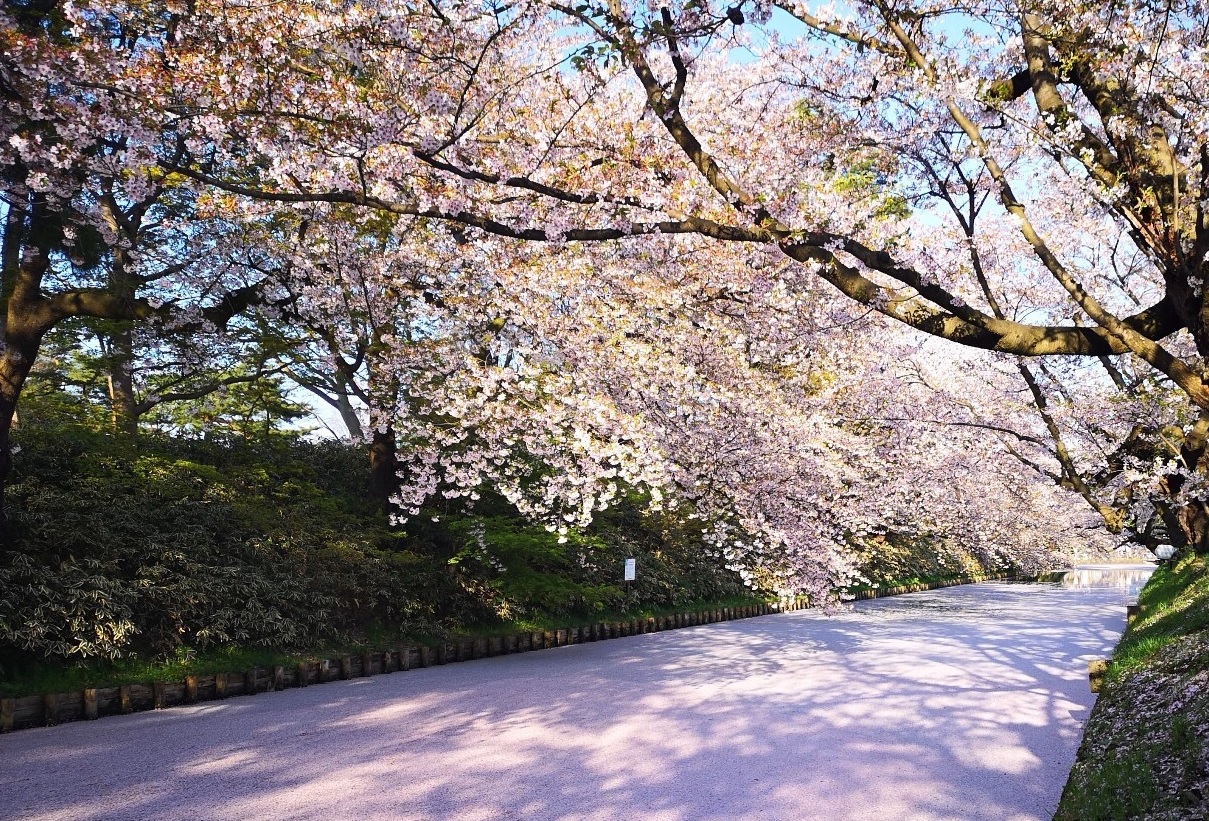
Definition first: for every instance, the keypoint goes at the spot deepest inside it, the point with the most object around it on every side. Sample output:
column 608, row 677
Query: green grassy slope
column 1145, row 750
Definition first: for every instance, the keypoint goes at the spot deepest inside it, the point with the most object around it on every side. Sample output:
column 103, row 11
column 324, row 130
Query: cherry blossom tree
column 561, row 381
column 1021, row 180
column 1078, row 129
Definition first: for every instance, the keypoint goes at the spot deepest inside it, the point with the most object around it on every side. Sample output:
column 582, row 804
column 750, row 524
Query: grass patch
column 36, row 679
column 1145, row 750
column 1174, row 604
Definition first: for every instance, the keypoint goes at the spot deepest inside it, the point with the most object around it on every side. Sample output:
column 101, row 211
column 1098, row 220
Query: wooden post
column 278, row 677
column 346, row 667
column 157, row 689
column 8, row 714
column 425, row 656
column 367, row 664
column 90, row 703
column 220, row 685
column 190, row 689
column 124, row 702
column 302, row 674
column 1132, row 611
column 249, row 682
column 405, row 657
column 50, row 709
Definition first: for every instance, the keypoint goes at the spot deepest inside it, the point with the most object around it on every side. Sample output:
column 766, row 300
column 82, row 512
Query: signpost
column 631, row 572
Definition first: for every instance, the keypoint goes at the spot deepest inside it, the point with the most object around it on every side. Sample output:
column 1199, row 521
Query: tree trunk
column 383, row 464
column 383, row 395
column 344, row 406
column 15, row 363
column 119, row 349
column 123, row 405
column 1188, row 524
column 1193, row 522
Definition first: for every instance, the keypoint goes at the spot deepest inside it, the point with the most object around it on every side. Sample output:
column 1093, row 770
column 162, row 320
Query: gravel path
column 963, row 703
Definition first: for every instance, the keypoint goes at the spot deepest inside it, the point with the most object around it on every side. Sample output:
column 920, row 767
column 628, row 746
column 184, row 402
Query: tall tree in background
column 92, row 225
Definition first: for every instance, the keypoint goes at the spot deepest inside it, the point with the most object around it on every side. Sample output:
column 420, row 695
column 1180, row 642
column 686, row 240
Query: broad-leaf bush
column 187, row 543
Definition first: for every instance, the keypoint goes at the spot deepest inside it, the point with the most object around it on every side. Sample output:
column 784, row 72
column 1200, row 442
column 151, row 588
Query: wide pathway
column 965, row 703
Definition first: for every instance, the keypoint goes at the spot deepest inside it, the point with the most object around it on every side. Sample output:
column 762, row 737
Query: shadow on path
column 962, row 703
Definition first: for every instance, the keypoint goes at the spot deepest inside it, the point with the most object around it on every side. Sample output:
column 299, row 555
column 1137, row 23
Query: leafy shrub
column 526, row 570
column 193, row 544
column 898, row 557
column 186, row 543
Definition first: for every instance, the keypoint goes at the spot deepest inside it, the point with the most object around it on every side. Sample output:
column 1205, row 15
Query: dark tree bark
column 383, row 466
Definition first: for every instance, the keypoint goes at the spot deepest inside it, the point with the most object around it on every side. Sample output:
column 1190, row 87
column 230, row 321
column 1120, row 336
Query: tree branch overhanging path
column 948, row 316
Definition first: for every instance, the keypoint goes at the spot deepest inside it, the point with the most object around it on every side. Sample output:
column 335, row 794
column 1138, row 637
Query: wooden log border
column 98, row 702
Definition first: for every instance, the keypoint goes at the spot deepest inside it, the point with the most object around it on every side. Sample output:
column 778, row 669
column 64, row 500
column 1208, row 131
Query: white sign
column 631, row 569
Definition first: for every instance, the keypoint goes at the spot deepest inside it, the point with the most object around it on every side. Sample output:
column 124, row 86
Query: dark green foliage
column 903, row 558
column 187, row 543
column 181, row 546
column 525, row 570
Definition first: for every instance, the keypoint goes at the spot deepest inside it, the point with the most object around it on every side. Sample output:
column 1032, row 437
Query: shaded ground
column 963, row 703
